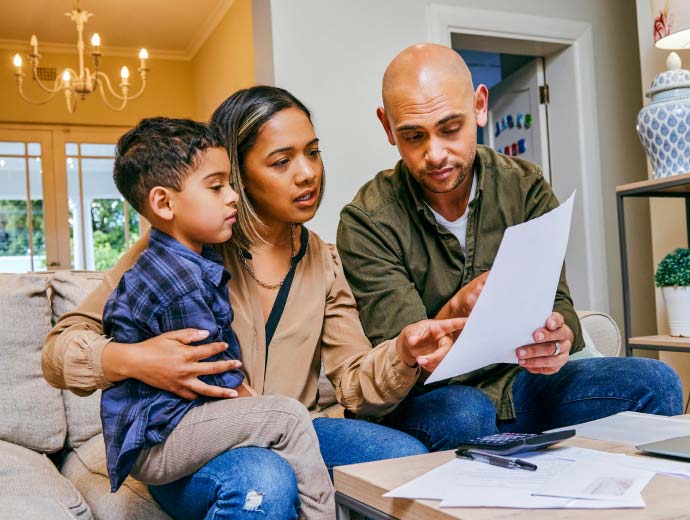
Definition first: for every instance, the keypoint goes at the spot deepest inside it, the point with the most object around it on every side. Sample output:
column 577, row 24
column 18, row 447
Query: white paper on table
column 460, row 473
column 598, row 479
column 632, row 427
column 517, row 297
column 468, row 483
column 671, row 468
column 519, row 499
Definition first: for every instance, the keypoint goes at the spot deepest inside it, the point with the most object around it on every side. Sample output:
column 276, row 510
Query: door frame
column 572, row 69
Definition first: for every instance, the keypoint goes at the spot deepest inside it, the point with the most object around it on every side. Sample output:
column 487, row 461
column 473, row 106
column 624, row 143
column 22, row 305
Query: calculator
column 510, row 443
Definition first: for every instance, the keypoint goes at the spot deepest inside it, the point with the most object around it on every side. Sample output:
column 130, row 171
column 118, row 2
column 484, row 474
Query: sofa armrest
column 603, row 331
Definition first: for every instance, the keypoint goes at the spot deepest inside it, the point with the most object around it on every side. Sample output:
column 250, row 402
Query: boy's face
column 206, row 207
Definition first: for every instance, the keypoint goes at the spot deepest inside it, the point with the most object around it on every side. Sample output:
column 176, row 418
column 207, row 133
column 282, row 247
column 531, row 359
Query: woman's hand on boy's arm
column 168, row 363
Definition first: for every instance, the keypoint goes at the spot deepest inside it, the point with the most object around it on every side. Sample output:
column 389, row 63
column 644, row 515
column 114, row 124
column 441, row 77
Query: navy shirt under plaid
column 170, row 287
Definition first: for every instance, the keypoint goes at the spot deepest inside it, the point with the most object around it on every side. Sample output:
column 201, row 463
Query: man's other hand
column 551, row 347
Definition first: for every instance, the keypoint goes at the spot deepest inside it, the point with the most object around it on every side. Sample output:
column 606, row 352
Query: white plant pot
column 678, row 309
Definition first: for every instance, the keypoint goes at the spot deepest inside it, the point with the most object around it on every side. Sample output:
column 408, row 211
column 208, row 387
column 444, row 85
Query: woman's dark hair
column 240, row 118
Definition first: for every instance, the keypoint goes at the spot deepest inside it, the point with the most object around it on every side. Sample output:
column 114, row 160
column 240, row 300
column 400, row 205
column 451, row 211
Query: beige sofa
column 52, row 460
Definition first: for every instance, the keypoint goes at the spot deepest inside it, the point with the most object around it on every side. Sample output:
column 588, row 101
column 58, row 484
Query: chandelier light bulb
column 143, row 54
column 17, row 61
column 95, row 40
column 34, row 42
column 124, row 73
column 66, row 78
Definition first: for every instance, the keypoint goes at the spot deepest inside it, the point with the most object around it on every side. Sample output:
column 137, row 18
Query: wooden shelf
column 661, row 342
column 676, row 184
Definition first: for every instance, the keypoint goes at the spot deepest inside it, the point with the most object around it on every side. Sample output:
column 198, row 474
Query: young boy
column 176, row 173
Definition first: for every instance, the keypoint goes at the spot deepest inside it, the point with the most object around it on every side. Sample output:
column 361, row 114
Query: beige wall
column 225, row 63
column 169, row 92
column 176, row 88
column 667, row 216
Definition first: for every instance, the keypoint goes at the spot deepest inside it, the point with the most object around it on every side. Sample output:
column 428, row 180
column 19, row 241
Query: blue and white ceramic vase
column 664, row 124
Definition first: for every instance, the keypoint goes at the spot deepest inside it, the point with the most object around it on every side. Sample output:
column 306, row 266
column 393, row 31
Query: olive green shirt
column 404, row 267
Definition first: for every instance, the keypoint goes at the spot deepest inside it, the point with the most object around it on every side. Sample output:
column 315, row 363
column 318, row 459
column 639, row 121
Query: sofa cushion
column 32, row 413
column 603, row 332
column 21, row 508
column 85, row 468
column 83, row 413
column 33, row 480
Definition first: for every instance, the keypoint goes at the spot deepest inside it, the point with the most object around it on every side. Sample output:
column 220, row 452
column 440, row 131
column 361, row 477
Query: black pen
column 496, row 460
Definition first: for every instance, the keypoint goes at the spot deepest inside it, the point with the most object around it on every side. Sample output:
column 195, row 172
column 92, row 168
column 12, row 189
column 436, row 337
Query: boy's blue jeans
column 233, row 483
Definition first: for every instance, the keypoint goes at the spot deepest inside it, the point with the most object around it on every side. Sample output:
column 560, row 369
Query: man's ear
column 161, row 203
column 381, row 114
column 481, row 105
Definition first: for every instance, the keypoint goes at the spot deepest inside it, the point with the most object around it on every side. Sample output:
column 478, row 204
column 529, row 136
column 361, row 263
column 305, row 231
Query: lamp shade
column 671, row 24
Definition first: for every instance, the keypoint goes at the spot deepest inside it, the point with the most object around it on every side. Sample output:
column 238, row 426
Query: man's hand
column 463, row 301
column 539, row 358
column 427, row 342
column 168, row 362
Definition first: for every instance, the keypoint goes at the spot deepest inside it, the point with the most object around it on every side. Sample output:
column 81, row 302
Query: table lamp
column 664, row 124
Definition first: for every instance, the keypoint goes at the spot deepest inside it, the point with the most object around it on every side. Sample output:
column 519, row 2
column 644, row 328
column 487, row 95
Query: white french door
column 59, row 208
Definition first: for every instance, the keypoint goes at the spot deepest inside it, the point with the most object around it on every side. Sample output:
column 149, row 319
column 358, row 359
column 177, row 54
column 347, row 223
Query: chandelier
column 79, row 84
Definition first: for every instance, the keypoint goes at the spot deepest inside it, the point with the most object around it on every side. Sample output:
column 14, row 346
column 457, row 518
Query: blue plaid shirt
column 170, row 287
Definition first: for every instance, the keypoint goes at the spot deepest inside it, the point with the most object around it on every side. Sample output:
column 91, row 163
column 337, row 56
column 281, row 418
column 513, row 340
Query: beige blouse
column 320, row 324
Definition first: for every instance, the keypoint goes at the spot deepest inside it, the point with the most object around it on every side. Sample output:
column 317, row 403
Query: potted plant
column 673, row 276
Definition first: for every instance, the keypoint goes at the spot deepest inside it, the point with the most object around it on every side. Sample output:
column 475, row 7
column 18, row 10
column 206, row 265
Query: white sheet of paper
column 633, row 428
column 460, row 473
column 568, row 471
column 518, row 295
column 671, row 468
column 598, row 479
column 520, row 499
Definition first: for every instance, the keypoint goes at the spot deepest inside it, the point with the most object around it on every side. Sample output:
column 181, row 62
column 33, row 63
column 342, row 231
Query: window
column 59, row 207
column 22, row 217
column 97, row 212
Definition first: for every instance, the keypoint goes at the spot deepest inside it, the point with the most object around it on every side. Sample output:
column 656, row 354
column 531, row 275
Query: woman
column 293, row 311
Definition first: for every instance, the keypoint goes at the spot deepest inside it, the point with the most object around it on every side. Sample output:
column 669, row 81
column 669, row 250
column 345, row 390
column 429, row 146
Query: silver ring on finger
column 557, row 348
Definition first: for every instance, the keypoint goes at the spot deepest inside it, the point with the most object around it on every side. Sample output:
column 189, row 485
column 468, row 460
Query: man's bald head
column 421, row 66
column 430, row 113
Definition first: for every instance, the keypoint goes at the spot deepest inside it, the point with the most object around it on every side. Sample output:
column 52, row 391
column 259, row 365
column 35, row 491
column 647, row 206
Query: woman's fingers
column 187, row 336
column 199, row 387
column 215, row 367
column 431, row 361
column 194, row 354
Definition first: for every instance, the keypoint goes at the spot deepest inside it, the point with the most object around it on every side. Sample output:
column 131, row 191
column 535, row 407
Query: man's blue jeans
column 256, row 483
column 581, row 391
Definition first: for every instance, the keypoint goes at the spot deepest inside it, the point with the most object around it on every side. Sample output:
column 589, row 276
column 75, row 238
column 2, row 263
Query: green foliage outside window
column 14, row 229
column 108, row 216
column 674, row 269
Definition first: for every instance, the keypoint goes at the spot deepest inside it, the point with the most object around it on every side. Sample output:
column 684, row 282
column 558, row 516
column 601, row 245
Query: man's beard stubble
column 464, row 172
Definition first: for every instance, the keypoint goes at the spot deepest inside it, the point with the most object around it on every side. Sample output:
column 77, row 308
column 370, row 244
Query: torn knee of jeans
column 253, row 500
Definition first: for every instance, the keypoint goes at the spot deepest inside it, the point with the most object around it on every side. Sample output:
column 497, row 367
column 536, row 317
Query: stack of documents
column 568, row 478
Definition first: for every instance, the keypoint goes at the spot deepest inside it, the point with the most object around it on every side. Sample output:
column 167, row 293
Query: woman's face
column 283, row 171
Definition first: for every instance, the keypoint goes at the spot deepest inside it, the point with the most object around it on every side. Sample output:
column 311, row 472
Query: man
column 419, row 241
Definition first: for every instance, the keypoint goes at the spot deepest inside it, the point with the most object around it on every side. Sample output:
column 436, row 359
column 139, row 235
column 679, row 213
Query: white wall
column 332, row 54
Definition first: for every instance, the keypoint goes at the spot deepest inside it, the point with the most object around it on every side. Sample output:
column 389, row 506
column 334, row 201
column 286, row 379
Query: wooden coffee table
column 359, row 488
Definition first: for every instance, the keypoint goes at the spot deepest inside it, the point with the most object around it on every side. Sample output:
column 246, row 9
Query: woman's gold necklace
column 271, row 286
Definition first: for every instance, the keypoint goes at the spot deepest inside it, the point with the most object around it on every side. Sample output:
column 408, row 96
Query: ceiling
column 168, row 28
